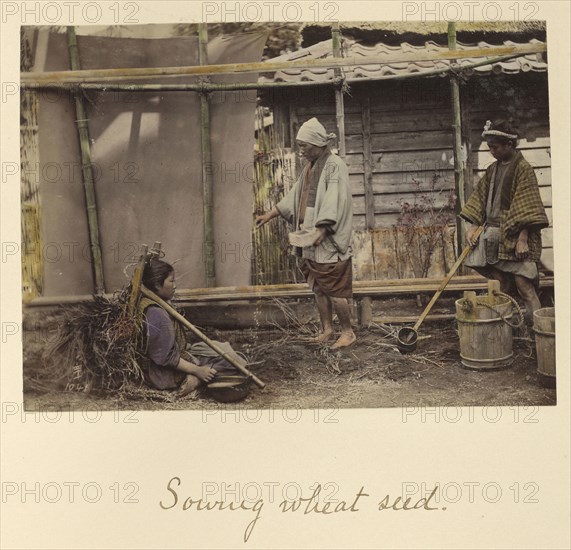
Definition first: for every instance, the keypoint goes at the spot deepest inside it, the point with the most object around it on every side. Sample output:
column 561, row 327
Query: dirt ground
column 370, row 374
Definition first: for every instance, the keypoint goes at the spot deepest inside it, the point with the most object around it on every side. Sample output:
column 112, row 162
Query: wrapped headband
column 488, row 132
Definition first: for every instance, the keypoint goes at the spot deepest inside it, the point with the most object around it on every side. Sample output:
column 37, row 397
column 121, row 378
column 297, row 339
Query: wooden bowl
column 228, row 389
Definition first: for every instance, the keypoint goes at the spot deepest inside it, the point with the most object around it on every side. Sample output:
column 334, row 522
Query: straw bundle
column 97, row 345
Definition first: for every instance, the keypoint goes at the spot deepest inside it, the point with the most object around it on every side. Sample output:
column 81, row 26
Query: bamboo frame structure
column 206, row 87
column 110, row 75
column 207, row 179
column 78, row 80
column 87, row 170
column 457, row 131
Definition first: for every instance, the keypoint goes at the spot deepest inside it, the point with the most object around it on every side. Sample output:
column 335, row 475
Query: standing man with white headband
column 321, row 199
column 507, row 202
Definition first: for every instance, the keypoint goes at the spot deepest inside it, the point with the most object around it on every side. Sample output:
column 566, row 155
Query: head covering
column 313, row 132
column 488, row 131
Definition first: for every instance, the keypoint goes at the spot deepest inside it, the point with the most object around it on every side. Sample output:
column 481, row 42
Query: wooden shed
column 396, row 128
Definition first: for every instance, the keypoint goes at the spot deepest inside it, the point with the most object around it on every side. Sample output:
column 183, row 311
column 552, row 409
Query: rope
column 504, row 319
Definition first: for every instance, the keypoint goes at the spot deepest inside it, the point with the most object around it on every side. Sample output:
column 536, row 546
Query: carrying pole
column 87, row 170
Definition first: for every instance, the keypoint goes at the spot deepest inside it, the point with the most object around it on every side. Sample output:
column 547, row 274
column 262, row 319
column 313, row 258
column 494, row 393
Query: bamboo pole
column 446, row 279
column 202, row 87
column 207, row 179
column 458, row 153
column 205, row 87
column 339, row 102
column 109, row 75
column 87, row 171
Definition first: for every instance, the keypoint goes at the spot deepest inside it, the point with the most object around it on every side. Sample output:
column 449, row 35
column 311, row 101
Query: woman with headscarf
column 507, row 202
column 321, row 200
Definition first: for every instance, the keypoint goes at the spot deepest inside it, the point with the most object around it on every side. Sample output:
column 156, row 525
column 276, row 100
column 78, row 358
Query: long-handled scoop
column 407, row 336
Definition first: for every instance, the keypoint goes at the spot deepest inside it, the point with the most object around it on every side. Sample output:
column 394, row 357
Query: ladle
column 408, row 336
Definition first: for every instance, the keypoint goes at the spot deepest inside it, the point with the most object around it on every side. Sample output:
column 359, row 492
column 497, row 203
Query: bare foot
column 324, row 336
column 190, row 384
column 346, row 339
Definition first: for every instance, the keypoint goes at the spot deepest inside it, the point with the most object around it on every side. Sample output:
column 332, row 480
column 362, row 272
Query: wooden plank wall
column 399, row 150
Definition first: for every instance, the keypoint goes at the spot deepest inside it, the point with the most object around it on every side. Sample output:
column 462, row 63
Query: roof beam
column 114, row 75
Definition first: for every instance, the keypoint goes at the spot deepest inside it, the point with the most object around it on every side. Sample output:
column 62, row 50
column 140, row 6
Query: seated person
column 168, row 364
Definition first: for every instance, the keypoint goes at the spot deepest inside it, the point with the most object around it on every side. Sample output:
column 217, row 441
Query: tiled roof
column 323, row 50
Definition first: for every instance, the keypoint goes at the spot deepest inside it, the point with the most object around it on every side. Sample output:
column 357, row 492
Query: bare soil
column 302, row 374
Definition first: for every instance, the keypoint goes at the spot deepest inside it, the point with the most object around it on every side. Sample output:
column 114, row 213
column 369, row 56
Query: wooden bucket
column 485, row 338
column 544, row 328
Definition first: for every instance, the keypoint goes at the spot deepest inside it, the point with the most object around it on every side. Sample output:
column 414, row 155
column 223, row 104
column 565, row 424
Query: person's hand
column 470, row 235
column 322, row 235
column 521, row 248
column 263, row 219
column 206, row 374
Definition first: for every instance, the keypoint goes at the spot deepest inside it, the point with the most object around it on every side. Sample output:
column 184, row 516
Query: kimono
column 164, row 340
column 165, row 343
column 333, row 208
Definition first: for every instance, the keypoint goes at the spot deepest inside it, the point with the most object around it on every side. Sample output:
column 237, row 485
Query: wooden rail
column 361, row 289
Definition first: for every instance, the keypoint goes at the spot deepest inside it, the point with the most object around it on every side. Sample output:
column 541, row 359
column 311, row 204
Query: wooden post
column 467, row 131
column 87, row 171
column 207, row 179
column 339, row 103
column 365, row 311
column 293, row 129
column 367, row 169
column 458, row 153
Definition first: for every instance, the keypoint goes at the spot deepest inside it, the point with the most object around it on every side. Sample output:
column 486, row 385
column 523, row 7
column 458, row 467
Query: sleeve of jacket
column 474, row 211
column 286, row 206
column 526, row 209
column 162, row 348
